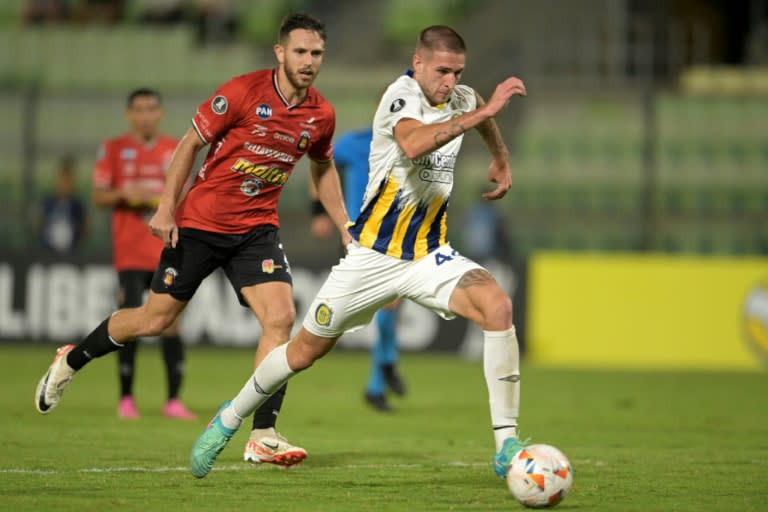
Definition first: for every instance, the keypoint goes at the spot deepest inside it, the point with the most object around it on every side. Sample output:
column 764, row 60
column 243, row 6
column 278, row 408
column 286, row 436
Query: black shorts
column 248, row 259
column 133, row 284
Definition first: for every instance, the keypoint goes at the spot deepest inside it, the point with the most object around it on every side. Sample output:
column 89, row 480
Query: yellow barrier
column 647, row 311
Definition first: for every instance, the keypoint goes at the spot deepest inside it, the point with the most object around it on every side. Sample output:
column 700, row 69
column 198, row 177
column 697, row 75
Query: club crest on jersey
column 268, row 266
column 323, row 315
column 397, row 105
column 264, row 111
column 251, row 186
column 303, row 140
column 219, row 105
column 169, row 277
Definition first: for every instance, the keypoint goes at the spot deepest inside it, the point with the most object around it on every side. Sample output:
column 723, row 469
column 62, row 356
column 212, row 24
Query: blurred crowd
column 214, row 20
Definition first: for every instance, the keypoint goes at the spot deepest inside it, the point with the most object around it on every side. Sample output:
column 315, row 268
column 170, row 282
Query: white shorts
column 365, row 280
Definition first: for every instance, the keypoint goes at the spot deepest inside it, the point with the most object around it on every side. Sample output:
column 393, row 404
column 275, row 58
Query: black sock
column 266, row 415
column 126, row 364
column 96, row 344
column 173, row 355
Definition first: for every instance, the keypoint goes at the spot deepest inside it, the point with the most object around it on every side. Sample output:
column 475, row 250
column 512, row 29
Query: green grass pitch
column 638, row 440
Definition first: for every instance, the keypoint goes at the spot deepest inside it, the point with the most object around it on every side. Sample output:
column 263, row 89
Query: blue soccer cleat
column 503, row 458
column 210, row 444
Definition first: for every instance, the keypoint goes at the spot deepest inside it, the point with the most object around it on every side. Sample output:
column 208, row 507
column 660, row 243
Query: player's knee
column 302, row 354
column 159, row 323
column 497, row 313
column 282, row 319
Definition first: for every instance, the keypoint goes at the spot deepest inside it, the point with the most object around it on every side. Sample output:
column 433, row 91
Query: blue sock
column 384, row 351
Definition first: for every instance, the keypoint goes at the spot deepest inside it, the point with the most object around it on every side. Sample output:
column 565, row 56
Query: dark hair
column 143, row 91
column 300, row 20
column 440, row 37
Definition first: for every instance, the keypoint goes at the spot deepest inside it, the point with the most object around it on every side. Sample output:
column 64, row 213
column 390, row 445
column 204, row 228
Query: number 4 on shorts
column 442, row 258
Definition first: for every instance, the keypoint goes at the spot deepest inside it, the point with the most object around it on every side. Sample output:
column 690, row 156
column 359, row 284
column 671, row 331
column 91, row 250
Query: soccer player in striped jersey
column 400, row 247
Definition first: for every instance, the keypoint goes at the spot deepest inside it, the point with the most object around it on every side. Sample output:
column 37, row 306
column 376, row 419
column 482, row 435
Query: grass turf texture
column 637, row 440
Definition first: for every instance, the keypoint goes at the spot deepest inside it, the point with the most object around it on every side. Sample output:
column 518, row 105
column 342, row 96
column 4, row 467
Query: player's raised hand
column 163, row 226
column 504, row 91
column 500, row 174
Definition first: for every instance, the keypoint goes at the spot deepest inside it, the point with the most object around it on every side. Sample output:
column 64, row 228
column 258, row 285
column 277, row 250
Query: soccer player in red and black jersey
column 258, row 125
column 128, row 178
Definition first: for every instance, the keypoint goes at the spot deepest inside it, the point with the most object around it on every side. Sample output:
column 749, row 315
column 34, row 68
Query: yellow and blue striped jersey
column 406, row 201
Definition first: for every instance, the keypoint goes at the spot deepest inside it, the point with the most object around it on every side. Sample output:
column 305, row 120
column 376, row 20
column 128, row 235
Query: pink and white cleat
column 126, row 408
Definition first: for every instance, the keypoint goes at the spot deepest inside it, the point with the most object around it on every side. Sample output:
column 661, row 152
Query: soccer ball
column 539, row 476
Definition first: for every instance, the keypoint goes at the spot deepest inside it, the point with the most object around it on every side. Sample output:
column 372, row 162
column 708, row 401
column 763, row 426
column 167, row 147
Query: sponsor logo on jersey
column 219, row 105
column 284, row 137
column 264, row 111
column 434, row 176
column 259, row 130
column 309, row 123
column 323, row 315
column 303, row 140
column 397, row 105
column 169, row 276
column 128, row 154
column 437, row 160
column 271, row 175
column 257, row 149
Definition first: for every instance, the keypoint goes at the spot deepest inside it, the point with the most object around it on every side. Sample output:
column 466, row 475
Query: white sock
column 268, row 377
column 501, row 365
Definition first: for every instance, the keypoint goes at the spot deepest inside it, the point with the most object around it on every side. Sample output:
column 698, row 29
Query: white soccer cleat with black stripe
column 51, row 386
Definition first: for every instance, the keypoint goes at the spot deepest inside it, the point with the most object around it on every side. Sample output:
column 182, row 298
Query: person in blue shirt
column 350, row 152
column 63, row 216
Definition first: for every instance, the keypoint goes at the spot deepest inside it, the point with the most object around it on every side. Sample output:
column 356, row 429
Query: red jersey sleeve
column 103, row 170
column 322, row 150
column 220, row 112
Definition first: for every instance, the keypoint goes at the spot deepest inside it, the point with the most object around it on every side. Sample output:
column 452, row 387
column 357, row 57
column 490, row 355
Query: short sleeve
column 399, row 102
column 103, row 170
column 220, row 112
column 322, row 150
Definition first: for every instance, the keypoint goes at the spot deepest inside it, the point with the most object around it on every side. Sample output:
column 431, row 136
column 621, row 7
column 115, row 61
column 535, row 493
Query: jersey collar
column 279, row 93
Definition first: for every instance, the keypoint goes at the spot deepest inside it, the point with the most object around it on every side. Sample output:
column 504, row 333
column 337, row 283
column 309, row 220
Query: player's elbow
column 411, row 151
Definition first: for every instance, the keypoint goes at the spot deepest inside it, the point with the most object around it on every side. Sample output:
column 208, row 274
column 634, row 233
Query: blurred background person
column 351, row 155
column 128, row 177
column 63, row 220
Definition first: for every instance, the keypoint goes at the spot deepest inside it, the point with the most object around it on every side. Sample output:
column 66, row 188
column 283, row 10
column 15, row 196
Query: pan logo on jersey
column 264, row 111
column 397, row 105
column 303, row 140
column 323, row 315
column 169, row 277
column 219, row 105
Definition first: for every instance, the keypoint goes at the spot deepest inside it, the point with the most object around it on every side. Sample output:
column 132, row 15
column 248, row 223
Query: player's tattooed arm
column 451, row 132
column 489, row 131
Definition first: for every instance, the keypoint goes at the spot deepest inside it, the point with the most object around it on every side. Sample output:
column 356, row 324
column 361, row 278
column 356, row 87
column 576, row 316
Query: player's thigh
column 478, row 297
column 132, row 286
column 182, row 268
column 432, row 280
column 358, row 286
column 272, row 304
